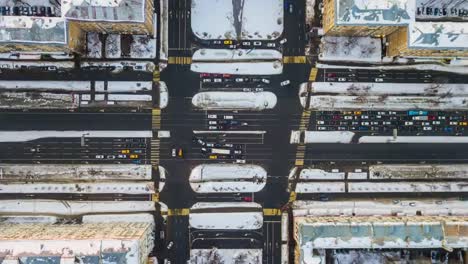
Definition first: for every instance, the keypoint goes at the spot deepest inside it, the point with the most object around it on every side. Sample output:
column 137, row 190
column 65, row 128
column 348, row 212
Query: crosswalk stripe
column 180, row 60
column 313, row 74
column 178, row 212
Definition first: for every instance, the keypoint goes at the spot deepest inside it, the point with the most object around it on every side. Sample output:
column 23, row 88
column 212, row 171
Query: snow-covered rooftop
column 424, row 35
column 225, row 256
column 48, row 30
column 104, row 10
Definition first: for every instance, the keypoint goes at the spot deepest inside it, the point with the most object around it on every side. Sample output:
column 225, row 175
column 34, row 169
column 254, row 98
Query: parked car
column 284, row 83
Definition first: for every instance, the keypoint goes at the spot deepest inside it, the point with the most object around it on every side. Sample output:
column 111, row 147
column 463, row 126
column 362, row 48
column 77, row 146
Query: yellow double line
column 178, row 212
column 156, row 76
column 180, row 60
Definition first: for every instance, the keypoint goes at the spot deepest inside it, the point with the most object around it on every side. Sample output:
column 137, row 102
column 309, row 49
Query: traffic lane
column 178, row 234
column 272, row 240
column 78, row 196
column 225, row 239
column 94, row 150
column 387, row 152
column 74, row 121
column 75, row 75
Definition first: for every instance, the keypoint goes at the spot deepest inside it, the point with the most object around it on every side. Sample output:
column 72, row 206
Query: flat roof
column 48, row 30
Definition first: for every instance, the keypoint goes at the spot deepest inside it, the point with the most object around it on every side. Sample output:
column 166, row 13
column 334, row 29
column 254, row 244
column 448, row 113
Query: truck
column 216, row 151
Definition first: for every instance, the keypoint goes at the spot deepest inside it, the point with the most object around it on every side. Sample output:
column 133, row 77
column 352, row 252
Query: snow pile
column 162, row 177
column 164, row 29
column 407, row 187
column 235, row 100
column 72, row 172
column 320, row 187
column 367, row 88
column 113, row 50
column 225, row 256
column 244, row 216
column 239, row 68
column 94, row 45
column 310, row 12
column 361, row 49
column 75, row 86
column 143, row 47
column 25, row 219
column 237, row 19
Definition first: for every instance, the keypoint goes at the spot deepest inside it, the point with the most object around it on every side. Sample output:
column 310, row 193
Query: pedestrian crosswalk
column 156, row 76
column 300, row 154
column 180, row 60
column 305, row 120
column 313, row 74
column 294, row 59
column 155, row 145
column 156, row 119
column 178, row 212
column 271, row 211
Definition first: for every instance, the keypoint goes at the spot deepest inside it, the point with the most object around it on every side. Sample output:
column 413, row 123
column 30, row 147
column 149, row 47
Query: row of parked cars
column 245, row 44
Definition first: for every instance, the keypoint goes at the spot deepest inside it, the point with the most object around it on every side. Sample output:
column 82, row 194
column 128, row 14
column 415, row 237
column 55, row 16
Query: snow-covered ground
column 220, row 172
column 164, row 29
column 25, row 219
column 75, row 86
column 418, row 171
column 88, row 187
column 239, row 68
column 407, row 187
column 143, row 47
column 32, row 64
column 224, row 215
column 43, row 100
column 359, row 49
column 256, row 19
column 318, row 174
column 320, row 187
column 310, row 12
column 367, row 88
column 396, row 103
column 72, row 172
column 239, row 61
column 235, row 100
column 162, row 177
column 324, row 137
column 163, row 95
column 225, row 256
column 62, row 207
column 235, row 55
column 94, row 45
column 118, row 66
column 20, row 136
column 113, row 50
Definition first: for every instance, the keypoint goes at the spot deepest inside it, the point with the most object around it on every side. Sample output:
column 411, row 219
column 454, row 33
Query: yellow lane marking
column 271, row 211
column 178, row 212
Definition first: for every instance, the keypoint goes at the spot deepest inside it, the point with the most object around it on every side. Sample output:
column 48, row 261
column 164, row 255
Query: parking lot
column 415, row 122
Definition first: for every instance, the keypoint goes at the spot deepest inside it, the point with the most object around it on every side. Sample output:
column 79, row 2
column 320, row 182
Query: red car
column 247, row 199
column 204, row 75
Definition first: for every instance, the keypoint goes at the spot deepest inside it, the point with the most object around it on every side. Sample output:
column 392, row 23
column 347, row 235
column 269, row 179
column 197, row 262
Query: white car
column 257, row 43
column 246, row 43
column 378, row 80
column 365, row 123
column 283, row 41
column 408, row 123
column 239, row 79
column 212, row 122
column 121, row 156
column 206, row 80
column 427, row 128
column 321, row 128
column 284, row 83
column 436, row 122
column 99, row 156
column 265, row 81
column 364, row 117
column 218, row 80
column 110, row 156
column 228, row 117
column 212, row 116
column 342, row 79
column 212, row 128
column 271, row 45
column 240, row 161
column 348, row 117
column 320, row 122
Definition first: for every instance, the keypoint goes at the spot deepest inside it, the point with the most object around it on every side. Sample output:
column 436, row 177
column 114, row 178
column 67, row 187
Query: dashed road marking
column 178, row 212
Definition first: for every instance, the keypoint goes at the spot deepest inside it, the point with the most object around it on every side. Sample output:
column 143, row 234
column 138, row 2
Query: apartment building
column 433, row 28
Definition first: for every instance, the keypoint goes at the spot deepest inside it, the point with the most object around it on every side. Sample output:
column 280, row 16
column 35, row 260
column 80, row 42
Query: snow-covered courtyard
column 243, row 19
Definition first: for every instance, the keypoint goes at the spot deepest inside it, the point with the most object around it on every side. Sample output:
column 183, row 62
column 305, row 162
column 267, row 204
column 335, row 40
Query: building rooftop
column 50, row 30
